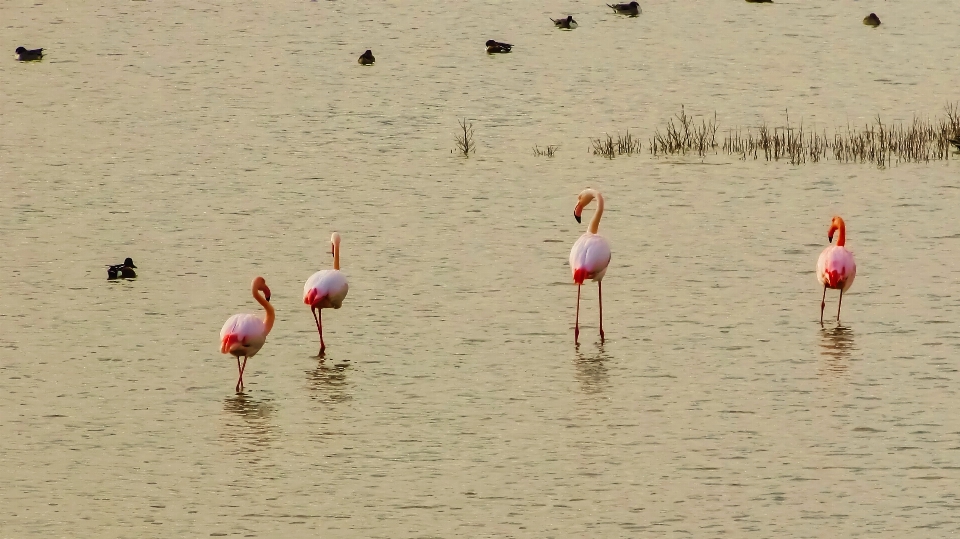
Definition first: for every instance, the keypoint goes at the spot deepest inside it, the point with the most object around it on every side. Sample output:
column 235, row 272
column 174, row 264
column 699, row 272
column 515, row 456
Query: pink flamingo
column 244, row 334
column 326, row 289
column 590, row 255
column 835, row 267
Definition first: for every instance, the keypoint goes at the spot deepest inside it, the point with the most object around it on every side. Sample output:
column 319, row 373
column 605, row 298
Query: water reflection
column 248, row 426
column 836, row 344
column 329, row 382
column 592, row 370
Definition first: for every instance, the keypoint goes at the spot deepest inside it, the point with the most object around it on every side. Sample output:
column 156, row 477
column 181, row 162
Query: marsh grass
column 550, row 151
column 610, row 148
column 883, row 144
column 685, row 136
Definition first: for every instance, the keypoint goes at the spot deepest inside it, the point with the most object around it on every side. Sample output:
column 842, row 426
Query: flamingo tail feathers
column 833, row 278
column 228, row 341
column 313, row 297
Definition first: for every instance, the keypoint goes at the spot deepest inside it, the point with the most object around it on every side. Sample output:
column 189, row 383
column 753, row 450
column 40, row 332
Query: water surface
column 214, row 142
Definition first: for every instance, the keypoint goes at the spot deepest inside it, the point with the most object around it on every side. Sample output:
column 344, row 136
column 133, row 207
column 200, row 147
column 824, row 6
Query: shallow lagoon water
column 213, row 142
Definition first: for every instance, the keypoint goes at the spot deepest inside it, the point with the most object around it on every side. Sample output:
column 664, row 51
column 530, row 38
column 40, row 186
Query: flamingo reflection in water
column 836, row 345
column 330, row 382
column 248, row 426
column 592, row 372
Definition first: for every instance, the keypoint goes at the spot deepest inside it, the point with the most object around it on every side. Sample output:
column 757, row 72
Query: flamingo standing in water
column 835, row 267
column 244, row 334
column 590, row 255
column 326, row 288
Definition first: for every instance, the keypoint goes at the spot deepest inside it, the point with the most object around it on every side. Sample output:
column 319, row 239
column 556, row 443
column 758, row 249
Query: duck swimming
column 565, row 24
column 122, row 271
column 25, row 55
column 955, row 141
column 494, row 47
column 366, row 58
column 872, row 20
column 632, row 9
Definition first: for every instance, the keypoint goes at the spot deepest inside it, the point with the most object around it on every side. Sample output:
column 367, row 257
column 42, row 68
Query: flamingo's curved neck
column 336, row 256
column 271, row 315
column 842, row 238
column 595, row 222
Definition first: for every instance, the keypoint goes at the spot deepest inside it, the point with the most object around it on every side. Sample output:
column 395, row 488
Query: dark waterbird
column 25, row 55
column 632, row 9
column 366, row 58
column 872, row 20
column 122, row 271
column 494, row 47
column 565, row 24
column 955, row 141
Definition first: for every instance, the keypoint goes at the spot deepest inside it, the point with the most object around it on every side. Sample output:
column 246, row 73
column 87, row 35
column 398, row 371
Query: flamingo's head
column 583, row 199
column 259, row 283
column 835, row 224
column 334, row 243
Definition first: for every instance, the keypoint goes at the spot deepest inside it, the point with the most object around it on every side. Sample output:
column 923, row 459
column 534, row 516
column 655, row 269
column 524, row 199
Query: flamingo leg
column 838, row 305
column 576, row 326
column 319, row 321
column 600, row 294
column 240, row 368
column 823, row 303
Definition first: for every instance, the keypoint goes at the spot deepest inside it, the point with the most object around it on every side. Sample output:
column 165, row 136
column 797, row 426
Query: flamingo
column 590, row 254
column 244, row 334
column 835, row 267
column 326, row 288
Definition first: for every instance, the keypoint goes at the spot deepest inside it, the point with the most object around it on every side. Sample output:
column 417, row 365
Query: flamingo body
column 589, row 257
column 325, row 289
column 836, row 268
column 243, row 335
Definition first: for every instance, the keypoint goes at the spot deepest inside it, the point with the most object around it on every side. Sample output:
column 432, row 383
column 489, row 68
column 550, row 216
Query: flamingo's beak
column 576, row 216
column 830, row 236
column 266, row 294
column 331, row 249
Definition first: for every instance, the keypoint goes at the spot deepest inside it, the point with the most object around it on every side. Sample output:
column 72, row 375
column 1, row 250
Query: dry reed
column 549, row 152
column 464, row 140
column 685, row 136
column 624, row 145
column 920, row 141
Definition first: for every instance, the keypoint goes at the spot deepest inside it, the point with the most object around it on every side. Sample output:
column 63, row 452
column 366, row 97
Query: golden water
column 214, row 142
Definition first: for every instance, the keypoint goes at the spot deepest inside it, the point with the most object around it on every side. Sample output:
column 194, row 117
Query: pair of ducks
column 122, row 271
column 25, row 55
column 632, row 9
